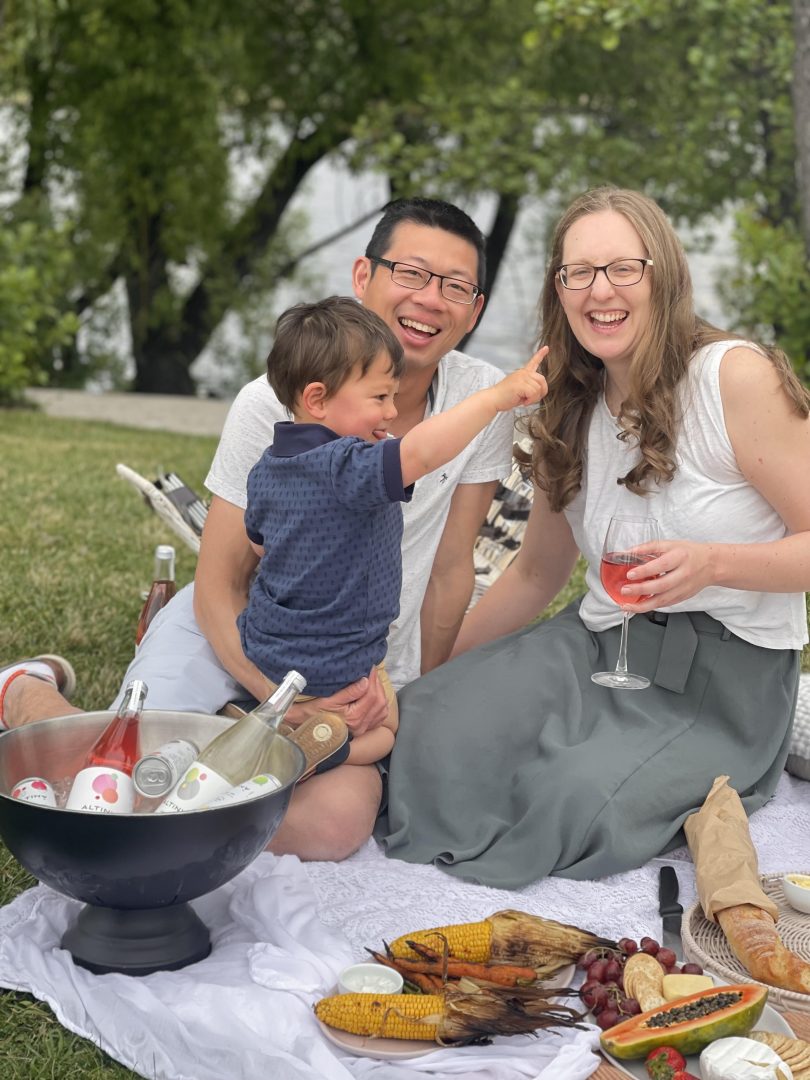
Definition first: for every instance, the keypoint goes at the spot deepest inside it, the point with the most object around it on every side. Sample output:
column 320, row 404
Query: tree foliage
column 35, row 264
column 167, row 138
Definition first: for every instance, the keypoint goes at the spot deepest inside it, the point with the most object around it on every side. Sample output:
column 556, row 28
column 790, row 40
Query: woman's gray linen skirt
column 510, row 764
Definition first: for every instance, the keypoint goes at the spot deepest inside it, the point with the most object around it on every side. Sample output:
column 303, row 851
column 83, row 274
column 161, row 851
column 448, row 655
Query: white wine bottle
column 237, row 755
column 251, row 789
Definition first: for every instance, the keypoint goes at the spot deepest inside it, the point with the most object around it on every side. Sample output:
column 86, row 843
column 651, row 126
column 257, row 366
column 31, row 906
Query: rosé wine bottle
column 162, row 590
column 104, row 784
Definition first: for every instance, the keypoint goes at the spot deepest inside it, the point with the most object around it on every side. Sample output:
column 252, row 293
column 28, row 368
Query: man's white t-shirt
column 248, row 430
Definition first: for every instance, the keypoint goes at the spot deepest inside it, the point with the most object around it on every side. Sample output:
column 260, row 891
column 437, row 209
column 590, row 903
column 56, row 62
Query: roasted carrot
column 520, row 972
column 427, row 982
column 502, row 974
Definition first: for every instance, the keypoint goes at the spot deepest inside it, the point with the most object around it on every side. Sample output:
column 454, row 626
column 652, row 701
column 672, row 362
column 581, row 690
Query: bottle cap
column 137, row 688
column 296, row 679
column 164, row 551
column 152, row 777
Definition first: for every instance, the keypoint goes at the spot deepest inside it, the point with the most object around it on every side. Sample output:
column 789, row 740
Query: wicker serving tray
column 705, row 944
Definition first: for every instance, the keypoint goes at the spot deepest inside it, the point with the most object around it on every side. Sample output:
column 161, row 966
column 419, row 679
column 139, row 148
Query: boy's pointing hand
column 526, row 386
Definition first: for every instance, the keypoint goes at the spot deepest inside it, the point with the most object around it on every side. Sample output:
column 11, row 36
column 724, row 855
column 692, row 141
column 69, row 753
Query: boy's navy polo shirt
column 326, row 510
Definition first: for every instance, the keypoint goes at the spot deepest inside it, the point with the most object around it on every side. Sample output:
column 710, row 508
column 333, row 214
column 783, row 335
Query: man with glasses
column 422, row 273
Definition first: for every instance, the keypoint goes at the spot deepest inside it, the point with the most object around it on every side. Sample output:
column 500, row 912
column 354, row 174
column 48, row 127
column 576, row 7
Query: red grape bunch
column 603, row 989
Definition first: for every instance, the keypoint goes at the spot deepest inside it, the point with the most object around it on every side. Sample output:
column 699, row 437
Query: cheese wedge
column 678, row 986
column 742, row 1059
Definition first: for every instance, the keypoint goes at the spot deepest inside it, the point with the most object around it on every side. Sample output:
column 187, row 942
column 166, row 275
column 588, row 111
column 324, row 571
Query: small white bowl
column 797, row 895
column 370, row 978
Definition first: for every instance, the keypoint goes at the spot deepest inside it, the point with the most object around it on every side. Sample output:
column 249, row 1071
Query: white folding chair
column 173, row 502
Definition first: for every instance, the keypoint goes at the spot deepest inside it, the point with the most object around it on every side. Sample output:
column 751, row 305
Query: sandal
column 324, row 738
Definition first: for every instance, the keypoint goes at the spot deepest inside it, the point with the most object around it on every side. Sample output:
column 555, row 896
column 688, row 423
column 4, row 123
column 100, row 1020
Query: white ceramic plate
column 391, row 1049
column 769, row 1021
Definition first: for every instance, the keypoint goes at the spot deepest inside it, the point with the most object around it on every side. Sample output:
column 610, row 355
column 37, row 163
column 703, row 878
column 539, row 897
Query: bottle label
column 251, row 789
column 34, row 789
column 198, row 786
column 102, row 791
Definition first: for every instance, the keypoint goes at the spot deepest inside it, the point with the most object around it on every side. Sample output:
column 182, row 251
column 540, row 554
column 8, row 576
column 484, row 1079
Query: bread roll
column 751, row 933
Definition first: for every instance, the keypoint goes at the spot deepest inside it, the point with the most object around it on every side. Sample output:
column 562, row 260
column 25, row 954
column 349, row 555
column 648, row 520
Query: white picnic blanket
column 282, row 930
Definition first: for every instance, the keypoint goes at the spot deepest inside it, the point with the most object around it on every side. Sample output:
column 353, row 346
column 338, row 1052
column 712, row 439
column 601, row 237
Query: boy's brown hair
column 324, row 342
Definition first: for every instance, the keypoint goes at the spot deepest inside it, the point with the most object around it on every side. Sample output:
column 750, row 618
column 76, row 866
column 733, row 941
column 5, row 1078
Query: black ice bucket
column 135, row 873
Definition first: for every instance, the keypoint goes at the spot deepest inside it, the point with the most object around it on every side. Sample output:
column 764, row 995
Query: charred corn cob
column 453, row 1017
column 507, row 937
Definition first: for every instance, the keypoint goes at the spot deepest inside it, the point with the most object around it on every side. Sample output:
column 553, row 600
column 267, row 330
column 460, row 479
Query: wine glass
column 618, row 556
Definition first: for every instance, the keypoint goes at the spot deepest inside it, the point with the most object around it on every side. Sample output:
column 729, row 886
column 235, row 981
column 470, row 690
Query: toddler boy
column 323, row 507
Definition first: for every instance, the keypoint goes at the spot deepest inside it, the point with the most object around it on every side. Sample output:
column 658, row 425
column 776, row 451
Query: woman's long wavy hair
column 650, row 415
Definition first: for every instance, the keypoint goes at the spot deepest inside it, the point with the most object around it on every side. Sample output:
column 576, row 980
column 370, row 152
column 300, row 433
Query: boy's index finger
column 533, row 365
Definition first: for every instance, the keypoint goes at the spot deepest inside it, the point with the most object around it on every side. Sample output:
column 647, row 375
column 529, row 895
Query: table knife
column 670, row 910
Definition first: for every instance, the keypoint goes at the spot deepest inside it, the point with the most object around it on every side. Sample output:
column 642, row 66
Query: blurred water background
column 332, row 198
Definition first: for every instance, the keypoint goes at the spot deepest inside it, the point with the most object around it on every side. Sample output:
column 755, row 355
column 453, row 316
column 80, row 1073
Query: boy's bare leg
column 331, row 815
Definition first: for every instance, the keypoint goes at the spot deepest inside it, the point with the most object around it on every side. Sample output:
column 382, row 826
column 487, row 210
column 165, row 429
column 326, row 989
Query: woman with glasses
column 511, row 763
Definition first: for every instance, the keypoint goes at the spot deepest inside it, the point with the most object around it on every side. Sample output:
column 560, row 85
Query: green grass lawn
column 77, row 547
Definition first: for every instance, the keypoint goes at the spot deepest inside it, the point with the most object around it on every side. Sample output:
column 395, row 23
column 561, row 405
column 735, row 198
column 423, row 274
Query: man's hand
column 362, row 705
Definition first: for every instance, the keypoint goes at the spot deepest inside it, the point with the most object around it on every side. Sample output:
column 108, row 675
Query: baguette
column 751, row 933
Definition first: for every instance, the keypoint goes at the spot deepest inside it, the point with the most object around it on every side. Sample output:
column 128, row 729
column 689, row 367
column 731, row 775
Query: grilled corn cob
column 507, row 937
column 453, row 1017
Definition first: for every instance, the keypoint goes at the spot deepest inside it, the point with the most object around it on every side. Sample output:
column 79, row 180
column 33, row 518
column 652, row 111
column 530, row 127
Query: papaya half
column 690, row 1023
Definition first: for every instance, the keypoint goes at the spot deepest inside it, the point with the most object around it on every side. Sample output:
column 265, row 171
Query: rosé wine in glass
column 613, row 572
column 624, row 535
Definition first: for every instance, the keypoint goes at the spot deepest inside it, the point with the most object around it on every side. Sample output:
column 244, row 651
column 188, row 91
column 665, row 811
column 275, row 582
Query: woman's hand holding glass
column 675, row 570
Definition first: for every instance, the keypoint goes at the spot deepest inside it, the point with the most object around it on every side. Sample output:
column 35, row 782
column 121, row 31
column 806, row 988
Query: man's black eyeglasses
column 416, row 277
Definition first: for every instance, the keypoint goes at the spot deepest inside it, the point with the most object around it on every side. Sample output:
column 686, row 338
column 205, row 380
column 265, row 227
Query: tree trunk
column 165, row 345
column 497, row 241
column 161, row 367
column 208, row 302
column 801, row 110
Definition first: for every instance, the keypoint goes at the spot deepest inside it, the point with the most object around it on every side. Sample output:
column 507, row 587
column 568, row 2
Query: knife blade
column 670, row 910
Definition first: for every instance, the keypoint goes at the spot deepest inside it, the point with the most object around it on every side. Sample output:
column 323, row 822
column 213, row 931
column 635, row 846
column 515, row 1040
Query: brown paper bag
column 726, row 868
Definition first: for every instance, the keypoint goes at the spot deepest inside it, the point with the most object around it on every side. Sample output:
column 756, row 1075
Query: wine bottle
column 104, row 784
column 237, row 755
column 250, row 789
column 162, row 590
column 34, row 789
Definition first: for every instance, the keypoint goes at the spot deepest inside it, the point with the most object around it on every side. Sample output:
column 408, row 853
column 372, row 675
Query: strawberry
column 664, row 1063
column 682, row 1074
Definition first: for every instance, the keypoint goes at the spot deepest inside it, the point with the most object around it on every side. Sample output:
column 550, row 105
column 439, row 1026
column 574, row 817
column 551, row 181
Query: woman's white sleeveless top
column 708, row 500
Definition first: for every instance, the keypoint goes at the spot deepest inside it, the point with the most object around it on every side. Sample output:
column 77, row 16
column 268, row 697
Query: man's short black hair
column 435, row 213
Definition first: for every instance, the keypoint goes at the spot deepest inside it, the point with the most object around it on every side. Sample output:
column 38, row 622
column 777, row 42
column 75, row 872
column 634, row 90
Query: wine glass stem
column 621, row 663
